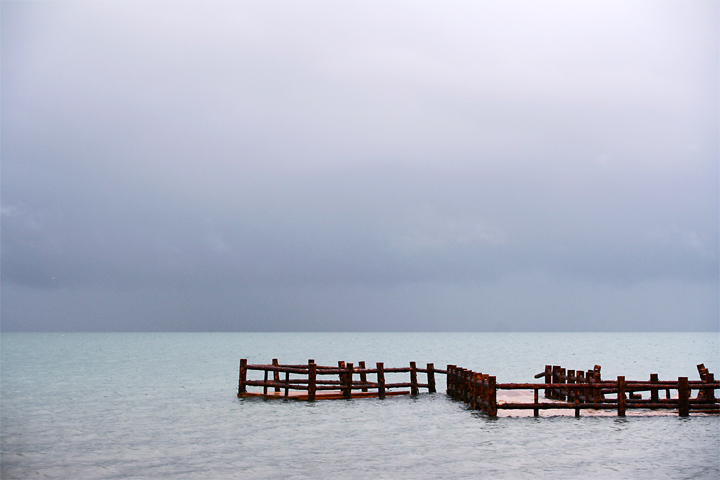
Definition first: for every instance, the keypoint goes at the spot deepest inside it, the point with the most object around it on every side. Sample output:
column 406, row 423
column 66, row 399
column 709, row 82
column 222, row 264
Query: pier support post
column 536, row 411
column 312, row 376
column 413, row 379
column 654, row 397
column 276, row 374
column 492, row 397
column 710, row 391
column 242, row 388
column 381, row 379
column 451, row 380
column 683, row 397
column 363, row 375
column 476, row 379
column 621, row 396
column 548, row 379
column 554, row 392
column 581, row 394
column 431, row 377
column 347, row 391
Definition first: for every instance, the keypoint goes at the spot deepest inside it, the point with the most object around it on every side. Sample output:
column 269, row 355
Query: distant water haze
column 360, row 166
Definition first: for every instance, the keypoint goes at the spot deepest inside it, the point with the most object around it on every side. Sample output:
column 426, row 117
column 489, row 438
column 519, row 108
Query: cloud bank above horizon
column 285, row 166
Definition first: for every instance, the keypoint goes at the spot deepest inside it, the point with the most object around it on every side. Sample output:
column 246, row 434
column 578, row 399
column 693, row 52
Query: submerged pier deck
column 563, row 390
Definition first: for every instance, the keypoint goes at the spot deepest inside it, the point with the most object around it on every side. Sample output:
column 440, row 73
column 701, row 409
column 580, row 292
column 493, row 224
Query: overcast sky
column 360, row 165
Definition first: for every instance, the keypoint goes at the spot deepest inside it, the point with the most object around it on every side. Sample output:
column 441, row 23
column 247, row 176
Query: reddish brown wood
column 381, row 379
column 492, row 397
column 654, row 391
column 548, row 379
column 363, row 374
column 312, row 373
column 413, row 379
column 709, row 395
column 276, row 373
column 347, row 391
column 431, row 377
column 683, row 397
column 621, row 396
column 242, row 376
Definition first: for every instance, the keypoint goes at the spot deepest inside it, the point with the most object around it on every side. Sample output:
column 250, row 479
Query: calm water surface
column 138, row 405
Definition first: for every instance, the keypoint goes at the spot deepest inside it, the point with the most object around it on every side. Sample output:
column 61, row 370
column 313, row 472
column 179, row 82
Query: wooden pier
column 562, row 390
column 579, row 390
column 318, row 382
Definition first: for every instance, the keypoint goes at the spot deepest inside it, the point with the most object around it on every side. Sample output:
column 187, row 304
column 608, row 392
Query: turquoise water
column 163, row 405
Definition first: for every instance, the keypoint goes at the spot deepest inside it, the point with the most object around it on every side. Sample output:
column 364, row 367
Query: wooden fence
column 316, row 382
column 574, row 389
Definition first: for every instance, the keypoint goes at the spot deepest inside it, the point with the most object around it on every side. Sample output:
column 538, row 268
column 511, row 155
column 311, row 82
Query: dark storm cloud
column 310, row 164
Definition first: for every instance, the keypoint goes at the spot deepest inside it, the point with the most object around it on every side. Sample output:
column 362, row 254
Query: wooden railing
column 567, row 390
column 310, row 381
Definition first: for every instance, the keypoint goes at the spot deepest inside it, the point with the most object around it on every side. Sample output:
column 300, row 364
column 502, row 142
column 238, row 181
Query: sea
column 164, row 406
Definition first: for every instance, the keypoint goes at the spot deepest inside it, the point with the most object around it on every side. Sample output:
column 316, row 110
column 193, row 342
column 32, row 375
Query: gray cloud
column 308, row 165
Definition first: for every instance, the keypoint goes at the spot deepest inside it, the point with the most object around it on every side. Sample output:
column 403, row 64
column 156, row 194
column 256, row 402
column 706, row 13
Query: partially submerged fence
column 562, row 388
column 577, row 390
column 316, row 382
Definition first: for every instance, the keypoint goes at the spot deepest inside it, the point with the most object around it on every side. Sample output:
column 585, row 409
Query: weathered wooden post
column 347, row 391
column 287, row 384
column 580, row 394
column 563, row 379
column 341, row 375
column 536, row 411
column 683, row 397
column 363, row 375
column 276, row 375
column 312, row 376
column 431, row 377
column 654, row 397
column 484, row 393
column 413, row 379
column 476, row 379
column 621, row 396
column 571, row 393
column 242, row 388
column 265, row 382
column 492, row 397
column 450, row 378
column 709, row 396
column 380, row 379
column 555, row 379
column 597, row 393
column 548, row 379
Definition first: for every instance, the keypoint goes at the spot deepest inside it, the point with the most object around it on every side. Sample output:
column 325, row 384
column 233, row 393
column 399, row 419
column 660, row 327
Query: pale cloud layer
column 360, row 165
